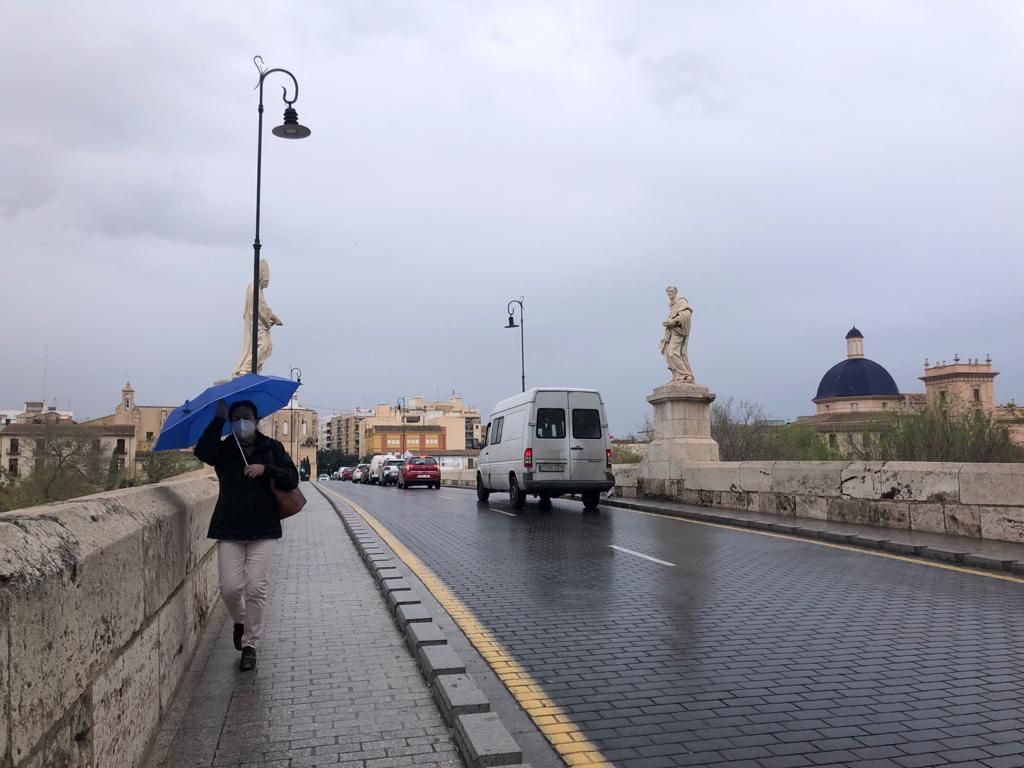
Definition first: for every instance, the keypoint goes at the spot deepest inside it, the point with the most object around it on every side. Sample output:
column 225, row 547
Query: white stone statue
column 267, row 320
column 677, row 337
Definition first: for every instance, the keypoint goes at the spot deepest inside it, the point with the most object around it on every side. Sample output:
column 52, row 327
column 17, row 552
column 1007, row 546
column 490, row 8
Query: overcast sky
column 790, row 166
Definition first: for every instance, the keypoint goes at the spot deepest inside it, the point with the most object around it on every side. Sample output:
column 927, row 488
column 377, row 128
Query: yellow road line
column 844, row 547
column 564, row 736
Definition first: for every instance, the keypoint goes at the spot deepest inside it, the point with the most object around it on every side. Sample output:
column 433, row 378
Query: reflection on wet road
column 673, row 643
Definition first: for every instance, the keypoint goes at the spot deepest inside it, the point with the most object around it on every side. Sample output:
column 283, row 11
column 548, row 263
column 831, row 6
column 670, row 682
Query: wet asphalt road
column 737, row 649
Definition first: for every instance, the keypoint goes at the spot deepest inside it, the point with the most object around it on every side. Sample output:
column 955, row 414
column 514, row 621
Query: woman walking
column 245, row 521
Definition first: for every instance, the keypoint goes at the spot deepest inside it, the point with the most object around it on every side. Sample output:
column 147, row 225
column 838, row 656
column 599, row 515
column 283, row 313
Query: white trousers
column 243, row 567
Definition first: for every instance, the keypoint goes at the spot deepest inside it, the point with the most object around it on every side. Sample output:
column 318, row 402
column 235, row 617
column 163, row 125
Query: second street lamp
column 289, row 129
column 512, row 324
column 401, row 412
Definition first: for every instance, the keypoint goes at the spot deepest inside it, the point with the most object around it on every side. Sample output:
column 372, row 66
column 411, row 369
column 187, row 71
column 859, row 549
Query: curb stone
column 479, row 734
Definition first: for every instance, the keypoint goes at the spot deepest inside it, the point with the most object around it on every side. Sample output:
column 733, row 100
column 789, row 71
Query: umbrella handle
column 239, row 447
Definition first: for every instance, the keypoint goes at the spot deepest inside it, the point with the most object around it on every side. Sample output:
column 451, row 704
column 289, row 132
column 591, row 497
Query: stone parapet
column 102, row 601
column 974, row 500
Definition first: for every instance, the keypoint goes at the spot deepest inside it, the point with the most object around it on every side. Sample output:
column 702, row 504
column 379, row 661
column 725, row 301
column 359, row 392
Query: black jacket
column 246, row 508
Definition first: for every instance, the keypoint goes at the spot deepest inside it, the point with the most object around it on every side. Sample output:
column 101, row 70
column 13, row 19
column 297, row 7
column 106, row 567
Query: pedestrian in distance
column 245, row 522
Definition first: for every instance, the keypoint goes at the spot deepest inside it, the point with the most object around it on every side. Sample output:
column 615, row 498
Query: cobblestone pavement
column 738, row 649
column 335, row 684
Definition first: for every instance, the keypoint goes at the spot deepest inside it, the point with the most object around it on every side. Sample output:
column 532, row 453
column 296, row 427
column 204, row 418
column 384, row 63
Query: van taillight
column 608, row 458
column 528, row 458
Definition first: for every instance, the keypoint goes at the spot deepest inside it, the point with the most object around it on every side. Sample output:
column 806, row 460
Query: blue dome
column 856, row 377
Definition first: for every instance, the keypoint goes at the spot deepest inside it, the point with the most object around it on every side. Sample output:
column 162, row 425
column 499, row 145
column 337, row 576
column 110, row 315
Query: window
column 120, row 447
column 14, row 448
column 586, row 424
column 303, row 427
column 470, row 464
column 40, row 445
column 149, row 436
column 828, row 408
column 284, row 428
column 833, row 441
column 496, row 429
column 551, row 423
column 942, row 396
column 12, row 466
column 977, row 394
column 120, row 464
column 420, row 461
column 854, row 406
column 885, row 406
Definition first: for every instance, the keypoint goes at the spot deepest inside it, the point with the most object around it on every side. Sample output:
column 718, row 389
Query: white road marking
column 641, row 554
column 503, row 512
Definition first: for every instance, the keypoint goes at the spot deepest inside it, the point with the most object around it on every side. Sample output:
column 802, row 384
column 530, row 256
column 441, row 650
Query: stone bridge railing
column 102, row 602
column 977, row 500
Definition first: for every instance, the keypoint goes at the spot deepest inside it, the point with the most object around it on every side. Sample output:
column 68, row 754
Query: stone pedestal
column 682, row 430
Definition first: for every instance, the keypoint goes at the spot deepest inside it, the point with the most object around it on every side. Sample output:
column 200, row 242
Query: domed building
column 856, row 384
column 852, row 394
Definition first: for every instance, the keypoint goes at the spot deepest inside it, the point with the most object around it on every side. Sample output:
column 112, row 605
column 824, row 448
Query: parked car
column 346, row 473
column 365, row 477
column 420, row 470
column 359, row 472
column 375, row 464
column 389, row 472
column 323, row 477
column 546, row 443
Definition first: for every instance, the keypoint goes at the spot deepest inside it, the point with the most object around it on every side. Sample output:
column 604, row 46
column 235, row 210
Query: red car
column 420, row 470
column 346, row 473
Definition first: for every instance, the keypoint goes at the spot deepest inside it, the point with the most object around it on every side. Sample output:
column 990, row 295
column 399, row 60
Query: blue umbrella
column 187, row 422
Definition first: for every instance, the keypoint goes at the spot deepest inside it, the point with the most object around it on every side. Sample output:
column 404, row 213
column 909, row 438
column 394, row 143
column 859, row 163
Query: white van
column 375, row 466
column 547, row 442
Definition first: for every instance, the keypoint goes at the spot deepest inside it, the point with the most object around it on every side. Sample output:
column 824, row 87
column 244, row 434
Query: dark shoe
column 237, row 636
column 248, row 662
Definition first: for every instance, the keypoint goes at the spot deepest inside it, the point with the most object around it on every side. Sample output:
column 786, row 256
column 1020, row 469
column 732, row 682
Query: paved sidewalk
column 962, row 550
column 335, row 684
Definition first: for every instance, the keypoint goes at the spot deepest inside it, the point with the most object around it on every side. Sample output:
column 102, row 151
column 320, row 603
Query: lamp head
column 291, row 129
column 511, row 322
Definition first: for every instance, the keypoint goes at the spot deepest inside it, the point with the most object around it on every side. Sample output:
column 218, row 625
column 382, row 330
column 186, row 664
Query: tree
column 744, row 432
column 941, row 431
column 331, row 461
column 304, row 469
column 67, row 464
column 646, row 432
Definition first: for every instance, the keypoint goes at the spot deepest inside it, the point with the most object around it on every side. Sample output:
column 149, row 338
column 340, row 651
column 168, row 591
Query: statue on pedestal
column 267, row 320
column 677, row 336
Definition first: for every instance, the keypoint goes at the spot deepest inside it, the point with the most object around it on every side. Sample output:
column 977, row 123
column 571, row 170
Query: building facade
column 147, row 420
column 297, row 428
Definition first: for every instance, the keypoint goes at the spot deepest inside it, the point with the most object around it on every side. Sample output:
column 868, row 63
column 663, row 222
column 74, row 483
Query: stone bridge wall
column 977, row 500
column 102, row 602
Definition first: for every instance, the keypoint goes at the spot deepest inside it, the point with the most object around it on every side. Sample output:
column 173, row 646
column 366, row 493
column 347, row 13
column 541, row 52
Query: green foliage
column 68, row 465
column 157, row 466
column 625, row 454
column 939, row 432
column 744, row 433
column 331, row 461
column 304, row 469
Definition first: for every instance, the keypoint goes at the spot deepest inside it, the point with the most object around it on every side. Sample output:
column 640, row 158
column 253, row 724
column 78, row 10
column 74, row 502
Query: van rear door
column 588, row 444
column 549, row 433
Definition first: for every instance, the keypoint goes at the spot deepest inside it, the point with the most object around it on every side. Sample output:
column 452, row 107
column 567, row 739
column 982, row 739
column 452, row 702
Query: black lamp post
column 512, row 324
column 295, row 374
column 401, row 413
column 290, row 129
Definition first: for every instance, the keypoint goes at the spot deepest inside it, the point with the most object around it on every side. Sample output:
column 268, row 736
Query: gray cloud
column 789, row 168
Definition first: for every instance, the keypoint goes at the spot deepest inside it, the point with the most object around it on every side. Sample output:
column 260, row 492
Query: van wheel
column 482, row 494
column 591, row 499
column 515, row 493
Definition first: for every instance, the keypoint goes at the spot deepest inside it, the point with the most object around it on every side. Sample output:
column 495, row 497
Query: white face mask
column 243, row 428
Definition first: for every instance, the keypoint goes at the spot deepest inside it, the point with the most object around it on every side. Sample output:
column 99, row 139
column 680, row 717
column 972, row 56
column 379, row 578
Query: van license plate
column 551, row 467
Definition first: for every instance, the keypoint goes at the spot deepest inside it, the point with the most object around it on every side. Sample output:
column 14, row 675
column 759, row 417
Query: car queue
column 385, row 470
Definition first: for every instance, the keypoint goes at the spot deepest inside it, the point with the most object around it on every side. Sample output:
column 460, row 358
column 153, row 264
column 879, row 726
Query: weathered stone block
column 919, row 481
column 859, row 480
column 626, row 475
column 175, row 643
column 927, row 518
column 811, row 507
column 5, row 681
column 484, row 741
column 198, row 497
column 203, row 585
column 849, row 511
column 439, row 660
column 165, row 549
column 756, row 476
column 963, row 520
column 69, row 744
column 126, row 704
column 76, row 597
column 754, row 501
column 1002, row 523
column 889, row 514
column 712, row 476
column 992, row 484
column 784, row 505
column 458, row 695
column 731, row 499
column 808, row 478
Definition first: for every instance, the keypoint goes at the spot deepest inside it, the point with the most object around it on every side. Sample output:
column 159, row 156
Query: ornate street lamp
column 290, row 129
column 401, row 405
column 512, row 324
column 295, row 374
